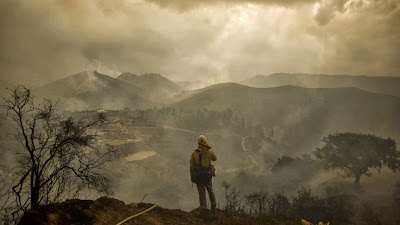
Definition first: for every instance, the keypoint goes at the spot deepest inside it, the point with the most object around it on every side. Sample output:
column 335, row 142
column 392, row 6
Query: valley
column 248, row 128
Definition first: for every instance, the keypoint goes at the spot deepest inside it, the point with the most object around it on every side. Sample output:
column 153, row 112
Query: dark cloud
column 328, row 10
column 214, row 41
column 363, row 38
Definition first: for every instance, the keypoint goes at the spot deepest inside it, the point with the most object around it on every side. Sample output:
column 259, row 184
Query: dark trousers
column 202, row 195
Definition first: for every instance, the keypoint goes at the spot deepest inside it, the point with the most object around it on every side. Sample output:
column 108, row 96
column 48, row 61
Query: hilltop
column 105, row 211
column 156, row 87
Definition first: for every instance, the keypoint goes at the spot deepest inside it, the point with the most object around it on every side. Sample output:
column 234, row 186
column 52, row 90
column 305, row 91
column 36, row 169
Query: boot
column 213, row 209
column 213, row 215
column 202, row 213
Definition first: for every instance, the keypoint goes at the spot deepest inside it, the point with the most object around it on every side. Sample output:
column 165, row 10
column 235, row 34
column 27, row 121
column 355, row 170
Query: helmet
column 202, row 140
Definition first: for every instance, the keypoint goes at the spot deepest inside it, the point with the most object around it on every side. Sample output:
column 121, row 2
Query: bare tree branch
column 59, row 157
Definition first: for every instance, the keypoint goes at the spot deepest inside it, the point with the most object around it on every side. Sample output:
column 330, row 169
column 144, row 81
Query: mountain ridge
column 376, row 84
column 94, row 90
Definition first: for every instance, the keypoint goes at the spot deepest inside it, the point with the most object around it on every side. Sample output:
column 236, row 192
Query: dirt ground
column 106, row 211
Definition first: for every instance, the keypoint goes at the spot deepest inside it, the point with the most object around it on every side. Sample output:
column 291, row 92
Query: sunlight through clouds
column 186, row 39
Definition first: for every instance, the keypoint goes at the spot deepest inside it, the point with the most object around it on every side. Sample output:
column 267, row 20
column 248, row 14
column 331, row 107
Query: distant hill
column 155, row 87
column 93, row 90
column 299, row 117
column 384, row 85
column 191, row 85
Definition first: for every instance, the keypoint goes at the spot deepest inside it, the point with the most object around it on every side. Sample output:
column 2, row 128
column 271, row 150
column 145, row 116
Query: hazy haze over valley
column 153, row 124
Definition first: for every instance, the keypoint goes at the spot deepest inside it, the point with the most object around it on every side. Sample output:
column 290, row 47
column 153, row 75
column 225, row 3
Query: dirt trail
column 139, row 155
column 254, row 163
column 171, row 127
column 175, row 128
column 253, row 160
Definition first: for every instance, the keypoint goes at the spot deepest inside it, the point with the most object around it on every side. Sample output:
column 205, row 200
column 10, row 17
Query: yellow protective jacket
column 206, row 157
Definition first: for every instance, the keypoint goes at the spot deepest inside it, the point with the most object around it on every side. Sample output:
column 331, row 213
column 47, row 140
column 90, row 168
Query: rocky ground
column 111, row 211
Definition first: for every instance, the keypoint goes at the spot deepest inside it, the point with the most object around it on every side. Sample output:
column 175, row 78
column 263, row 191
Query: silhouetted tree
column 57, row 158
column 355, row 154
column 283, row 162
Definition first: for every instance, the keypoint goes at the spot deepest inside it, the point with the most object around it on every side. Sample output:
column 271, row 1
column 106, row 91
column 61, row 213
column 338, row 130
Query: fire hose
column 133, row 216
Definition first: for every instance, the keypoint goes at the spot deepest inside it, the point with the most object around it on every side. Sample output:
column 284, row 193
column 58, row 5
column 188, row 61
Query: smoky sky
column 206, row 40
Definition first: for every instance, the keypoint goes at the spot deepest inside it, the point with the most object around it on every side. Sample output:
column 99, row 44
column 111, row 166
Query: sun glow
column 246, row 12
column 316, row 7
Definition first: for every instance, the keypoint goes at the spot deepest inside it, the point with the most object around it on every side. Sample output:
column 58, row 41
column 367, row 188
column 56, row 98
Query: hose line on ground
column 131, row 217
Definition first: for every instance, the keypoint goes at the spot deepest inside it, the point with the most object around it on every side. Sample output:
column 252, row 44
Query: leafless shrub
column 258, row 204
column 234, row 200
column 279, row 206
column 58, row 157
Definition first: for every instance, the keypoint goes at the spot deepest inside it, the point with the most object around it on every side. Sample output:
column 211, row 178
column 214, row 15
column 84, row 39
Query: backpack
column 202, row 174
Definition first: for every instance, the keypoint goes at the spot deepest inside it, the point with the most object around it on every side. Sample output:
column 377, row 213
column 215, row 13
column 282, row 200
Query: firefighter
column 201, row 173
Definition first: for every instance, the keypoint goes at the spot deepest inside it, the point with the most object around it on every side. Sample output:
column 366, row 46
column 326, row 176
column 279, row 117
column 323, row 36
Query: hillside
column 105, row 211
column 156, row 87
column 300, row 117
column 93, row 90
column 384, row 85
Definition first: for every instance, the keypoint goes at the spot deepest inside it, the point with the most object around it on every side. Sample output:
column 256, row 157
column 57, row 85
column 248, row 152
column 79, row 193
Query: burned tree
column 58, row 157
column 355, row 154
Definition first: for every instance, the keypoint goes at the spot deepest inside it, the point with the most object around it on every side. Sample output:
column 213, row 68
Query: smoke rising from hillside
column 216, row 41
